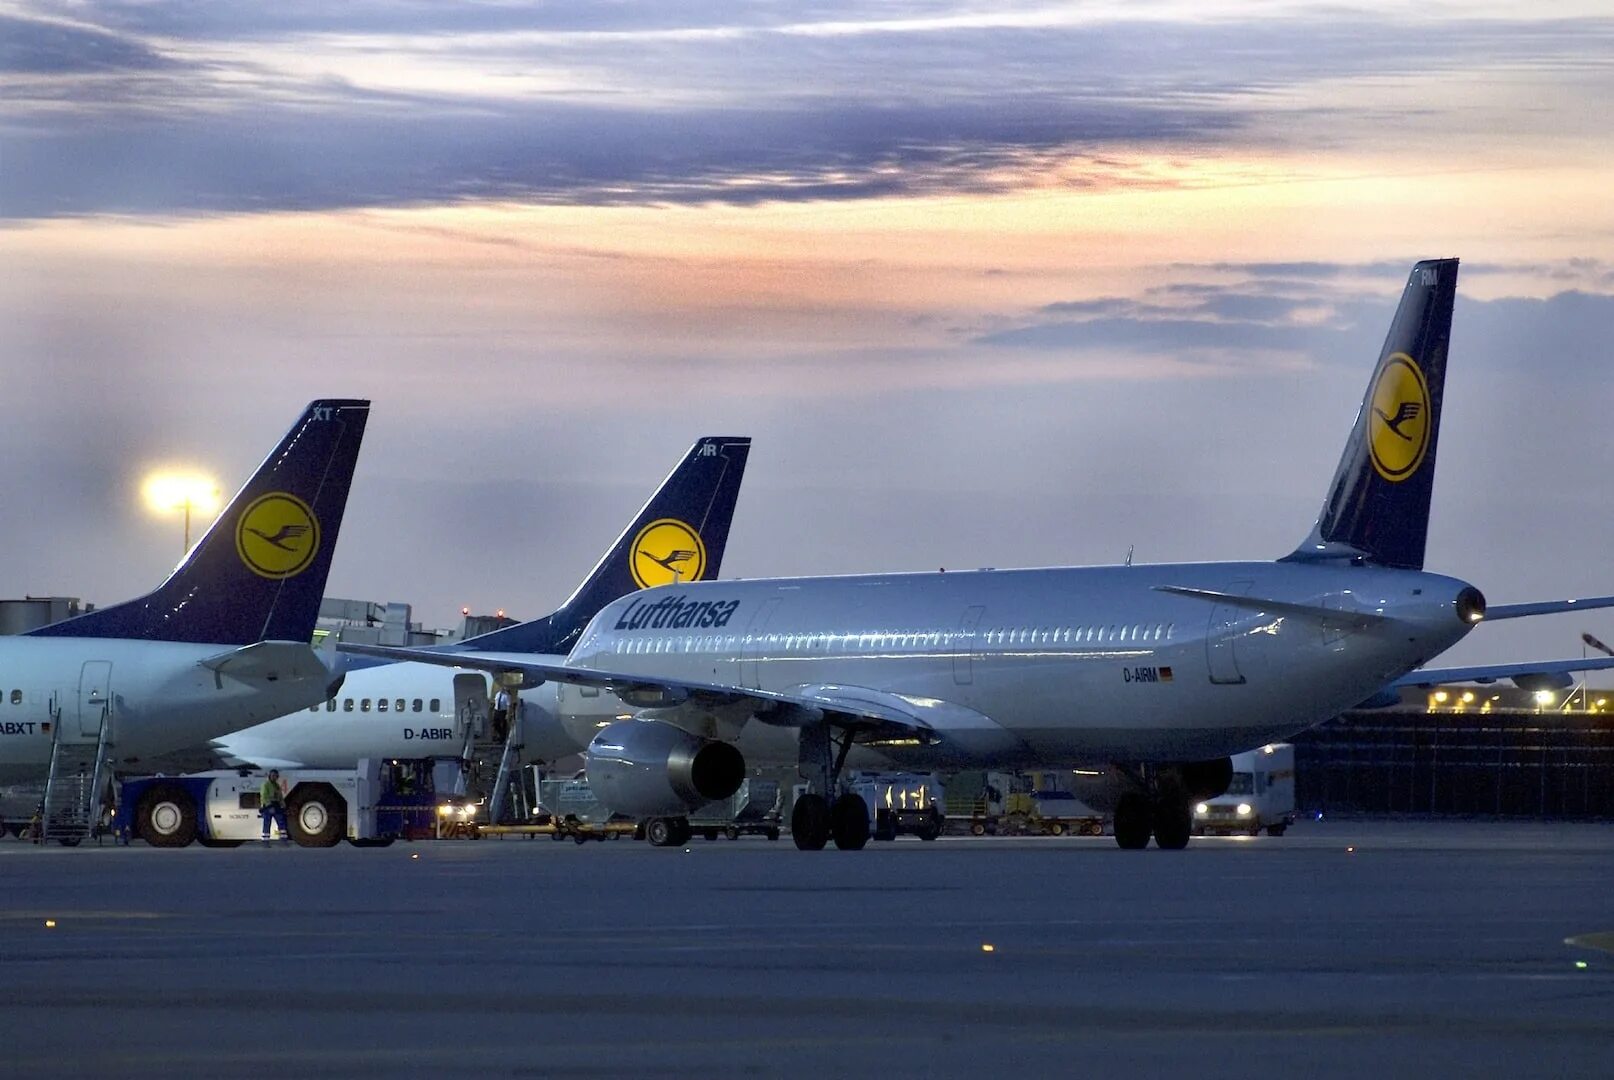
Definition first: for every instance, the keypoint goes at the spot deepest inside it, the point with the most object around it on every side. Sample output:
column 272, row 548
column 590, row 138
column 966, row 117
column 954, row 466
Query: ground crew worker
column 272, row 805
column 501, row 714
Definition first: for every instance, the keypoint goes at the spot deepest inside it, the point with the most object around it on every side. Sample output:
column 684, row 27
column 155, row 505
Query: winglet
column 1377, row 508
column 259, row 572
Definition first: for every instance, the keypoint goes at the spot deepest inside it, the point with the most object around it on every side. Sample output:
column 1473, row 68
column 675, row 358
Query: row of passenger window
column 1115, row 634
column 381, row 705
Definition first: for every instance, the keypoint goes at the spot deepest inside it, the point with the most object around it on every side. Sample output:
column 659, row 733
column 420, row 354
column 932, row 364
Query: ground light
column 166, row 492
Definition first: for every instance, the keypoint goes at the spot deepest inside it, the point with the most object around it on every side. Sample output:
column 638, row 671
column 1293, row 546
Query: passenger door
column 750, row 673
column 1222, row 640
column 94, row 696
column 964, row 645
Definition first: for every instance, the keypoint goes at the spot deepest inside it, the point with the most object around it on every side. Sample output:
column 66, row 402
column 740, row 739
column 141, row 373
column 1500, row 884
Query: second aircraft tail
column 679, row 535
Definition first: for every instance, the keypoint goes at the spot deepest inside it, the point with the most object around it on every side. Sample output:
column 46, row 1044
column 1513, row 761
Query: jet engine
column 650, row 768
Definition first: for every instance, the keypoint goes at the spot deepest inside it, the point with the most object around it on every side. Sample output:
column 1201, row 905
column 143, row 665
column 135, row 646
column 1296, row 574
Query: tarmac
column 1345, row 948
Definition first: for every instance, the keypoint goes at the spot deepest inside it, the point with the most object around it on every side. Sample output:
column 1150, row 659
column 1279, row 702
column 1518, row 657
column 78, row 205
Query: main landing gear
column 816, row 821
column 1167, row 816
column 1163, row 805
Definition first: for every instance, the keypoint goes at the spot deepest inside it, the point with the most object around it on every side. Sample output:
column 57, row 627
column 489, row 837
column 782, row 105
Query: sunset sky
column 989, row 284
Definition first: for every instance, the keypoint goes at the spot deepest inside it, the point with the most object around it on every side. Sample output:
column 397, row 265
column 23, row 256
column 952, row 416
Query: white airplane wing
column 878, row 713
column 1541, row 672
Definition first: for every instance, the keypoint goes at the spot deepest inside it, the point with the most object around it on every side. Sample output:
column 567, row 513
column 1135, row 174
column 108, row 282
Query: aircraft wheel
column 849, row 822
column 809, row 823
column 316, row 815
column 1132, row 822
column 166, row 817
column 1173, row 823
column 681, row 831
column 658, row 830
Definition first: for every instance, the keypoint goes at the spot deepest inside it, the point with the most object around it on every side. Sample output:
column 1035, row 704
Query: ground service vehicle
column 900, row 803
column 380, row 801
column 1260, row 796
column 753, row 809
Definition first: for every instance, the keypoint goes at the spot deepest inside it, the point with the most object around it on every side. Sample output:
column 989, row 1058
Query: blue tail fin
column 259, row 573
column 1378, row 505
column 680, row 535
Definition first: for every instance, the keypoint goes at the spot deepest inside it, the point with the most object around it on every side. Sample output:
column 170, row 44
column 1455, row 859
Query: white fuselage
column 157, row 695
column 1051, row 666
column 392, row 710
column 1010, row 668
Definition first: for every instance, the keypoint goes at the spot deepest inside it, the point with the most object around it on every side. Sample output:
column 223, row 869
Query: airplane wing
column 1361, row 619
column 1542, row 673
column 1546, row 607
column 268, row 661
column 876, row 713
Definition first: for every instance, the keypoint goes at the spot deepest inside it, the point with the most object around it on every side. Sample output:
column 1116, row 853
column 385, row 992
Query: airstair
column 80, row 772
column 488, row 765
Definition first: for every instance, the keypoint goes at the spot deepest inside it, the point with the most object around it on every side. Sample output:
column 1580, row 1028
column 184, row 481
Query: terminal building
column 1465, row 751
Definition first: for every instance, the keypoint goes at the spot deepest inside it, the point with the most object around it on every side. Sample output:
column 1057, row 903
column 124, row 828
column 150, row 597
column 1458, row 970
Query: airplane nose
column 1470, row 605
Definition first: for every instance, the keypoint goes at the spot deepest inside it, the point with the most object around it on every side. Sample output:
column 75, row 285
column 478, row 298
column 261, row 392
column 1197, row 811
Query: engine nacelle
column 650, row 768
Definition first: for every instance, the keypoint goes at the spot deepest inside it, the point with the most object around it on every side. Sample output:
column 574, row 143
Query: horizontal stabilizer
column 1546, row 607
column 1489, row 673
column 257, row 762
column 269, row 661
column 1359, row 619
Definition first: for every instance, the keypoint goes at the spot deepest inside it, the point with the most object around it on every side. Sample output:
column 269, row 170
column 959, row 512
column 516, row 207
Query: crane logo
column 665, row 551
column 1398, row 429
column 277, row 536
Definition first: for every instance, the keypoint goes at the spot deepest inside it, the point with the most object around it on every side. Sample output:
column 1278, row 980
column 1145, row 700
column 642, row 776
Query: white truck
column 372, row 805
column 1261, row 796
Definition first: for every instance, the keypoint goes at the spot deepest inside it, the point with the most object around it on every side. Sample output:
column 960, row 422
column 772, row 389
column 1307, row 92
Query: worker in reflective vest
column 272, row 805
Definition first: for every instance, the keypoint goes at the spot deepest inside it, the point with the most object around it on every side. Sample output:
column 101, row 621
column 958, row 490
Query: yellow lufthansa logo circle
column 1398, row 434
column 665, row 551
column 277, row 536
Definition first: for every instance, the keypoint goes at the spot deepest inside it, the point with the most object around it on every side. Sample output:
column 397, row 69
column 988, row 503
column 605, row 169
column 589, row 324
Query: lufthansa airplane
column 1162, row 670
column 222, row 643
column 414, row 710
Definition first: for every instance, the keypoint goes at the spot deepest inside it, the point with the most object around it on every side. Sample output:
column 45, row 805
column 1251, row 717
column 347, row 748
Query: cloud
column 1560, row 337
column 311, row 106
column 47, row 47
